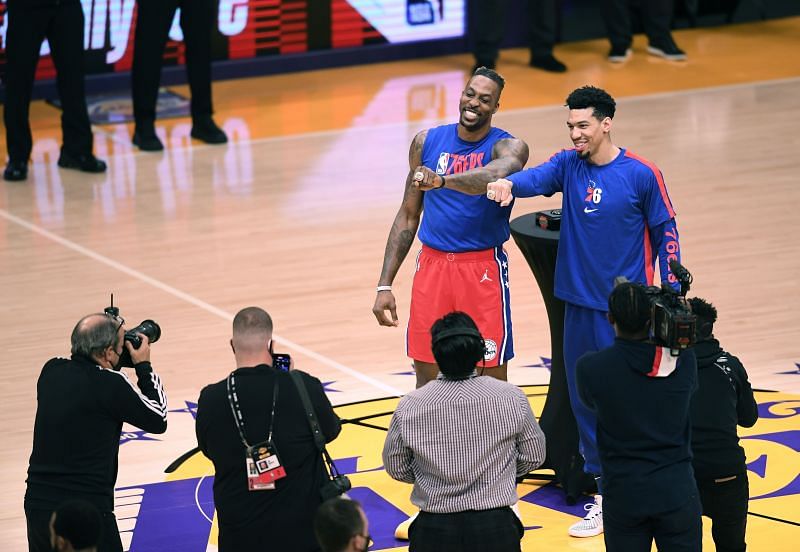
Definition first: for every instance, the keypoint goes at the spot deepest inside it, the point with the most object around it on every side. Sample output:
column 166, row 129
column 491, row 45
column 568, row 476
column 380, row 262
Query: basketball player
column 617, row 216
column 462, row 265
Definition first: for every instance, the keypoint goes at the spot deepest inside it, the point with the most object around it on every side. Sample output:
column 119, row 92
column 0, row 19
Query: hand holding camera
column 137, row 340
column 140, row 353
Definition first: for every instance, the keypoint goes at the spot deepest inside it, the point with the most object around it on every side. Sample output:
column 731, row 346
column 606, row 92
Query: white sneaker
column 592, row 523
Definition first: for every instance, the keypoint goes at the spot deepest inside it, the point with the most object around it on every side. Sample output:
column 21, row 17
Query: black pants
column 495, row 530
column 153, row 20
column 726, row 504
column 679, row 530
column 39, row 532
column 488, row 27
column 656, row 19
column 62, row 25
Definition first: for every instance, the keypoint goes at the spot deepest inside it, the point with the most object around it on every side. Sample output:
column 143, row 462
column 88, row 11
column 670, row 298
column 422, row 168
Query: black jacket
column 642, row 426
column 81, row 408
column 723, row 400
column 278, row 519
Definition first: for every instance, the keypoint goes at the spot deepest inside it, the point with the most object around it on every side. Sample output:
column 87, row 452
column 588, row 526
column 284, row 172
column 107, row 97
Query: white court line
column 193, row 300
column 197, row 498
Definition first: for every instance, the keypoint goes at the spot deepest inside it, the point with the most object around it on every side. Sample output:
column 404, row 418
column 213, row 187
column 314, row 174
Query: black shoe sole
column 150, row 144
column 550, row 68
column 70, row 164
column 15, row 176
column 216, row 139
column 658, row 52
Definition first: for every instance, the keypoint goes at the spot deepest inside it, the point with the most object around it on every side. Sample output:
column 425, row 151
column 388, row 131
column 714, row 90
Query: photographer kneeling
column 641, row 394
column 82, row 404
column 269, row 472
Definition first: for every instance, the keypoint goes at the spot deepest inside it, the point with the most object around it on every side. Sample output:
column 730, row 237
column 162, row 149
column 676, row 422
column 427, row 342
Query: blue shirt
column 616, row 218
column 453, row 221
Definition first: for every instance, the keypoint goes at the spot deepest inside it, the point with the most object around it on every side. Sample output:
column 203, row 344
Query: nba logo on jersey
column 441, row 166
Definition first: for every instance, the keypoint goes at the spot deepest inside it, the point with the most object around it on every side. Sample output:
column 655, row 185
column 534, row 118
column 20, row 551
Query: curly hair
column 601, row 102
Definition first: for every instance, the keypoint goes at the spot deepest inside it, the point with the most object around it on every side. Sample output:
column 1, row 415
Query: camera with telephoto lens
column 337, row 486
column 672, row 324
column 148, row 327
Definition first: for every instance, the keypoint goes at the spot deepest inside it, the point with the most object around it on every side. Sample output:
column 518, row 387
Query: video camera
column 672, row 324
column 147, row 327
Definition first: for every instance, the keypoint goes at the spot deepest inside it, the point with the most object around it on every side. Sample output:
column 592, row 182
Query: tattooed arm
column 401, row 236
column 508, row 156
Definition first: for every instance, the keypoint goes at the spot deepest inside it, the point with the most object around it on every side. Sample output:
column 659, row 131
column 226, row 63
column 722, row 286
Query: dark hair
column 337, row 521
column 492, row 75
column 706, row 315
column 93, row 334
column 629, row 305
column 79, row 522
column 252, row 320
column 457, row 345
column 601, row 102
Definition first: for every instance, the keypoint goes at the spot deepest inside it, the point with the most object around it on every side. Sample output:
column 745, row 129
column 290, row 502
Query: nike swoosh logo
column 587, row 210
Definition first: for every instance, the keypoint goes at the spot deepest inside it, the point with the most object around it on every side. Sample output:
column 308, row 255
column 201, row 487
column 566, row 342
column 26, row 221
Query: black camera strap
column 233, row 399
column 311, row 416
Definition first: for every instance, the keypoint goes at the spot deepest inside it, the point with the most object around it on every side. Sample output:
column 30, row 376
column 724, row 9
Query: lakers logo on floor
column 177, row 514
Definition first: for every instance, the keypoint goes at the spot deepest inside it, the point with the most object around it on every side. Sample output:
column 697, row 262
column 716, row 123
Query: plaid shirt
column 462, row 443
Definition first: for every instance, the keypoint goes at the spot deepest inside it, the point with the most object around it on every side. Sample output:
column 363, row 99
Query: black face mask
column 117, row 366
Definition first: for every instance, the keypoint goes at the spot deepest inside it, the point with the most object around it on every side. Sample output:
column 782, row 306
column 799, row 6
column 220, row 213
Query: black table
column 539, row 246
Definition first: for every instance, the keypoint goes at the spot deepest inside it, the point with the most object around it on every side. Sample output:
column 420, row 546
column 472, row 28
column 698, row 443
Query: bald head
column 252, row 330
column 93, row 334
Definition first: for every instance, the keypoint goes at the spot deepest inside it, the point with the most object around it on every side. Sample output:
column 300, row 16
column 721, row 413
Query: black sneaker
column 85, row 162
column 547, row 63
column 206, row 130
column 16, row 170
column 668, row 50
column 619, row 54
column 146, row 140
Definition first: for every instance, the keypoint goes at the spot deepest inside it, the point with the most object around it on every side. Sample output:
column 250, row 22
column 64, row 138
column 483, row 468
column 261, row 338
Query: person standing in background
column 153, row 21
column 488, row 23
column 61, row 22
column 656, row 19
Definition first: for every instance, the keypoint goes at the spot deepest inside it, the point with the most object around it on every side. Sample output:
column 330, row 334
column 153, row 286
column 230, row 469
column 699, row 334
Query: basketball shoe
column 592, row 523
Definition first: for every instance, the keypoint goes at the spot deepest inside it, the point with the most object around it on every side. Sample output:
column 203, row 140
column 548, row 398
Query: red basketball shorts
column 475, row 282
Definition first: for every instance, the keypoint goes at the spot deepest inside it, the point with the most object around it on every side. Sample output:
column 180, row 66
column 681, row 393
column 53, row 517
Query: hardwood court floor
column 292, row 215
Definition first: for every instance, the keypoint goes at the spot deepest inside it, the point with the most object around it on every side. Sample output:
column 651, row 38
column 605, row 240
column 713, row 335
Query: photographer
column 272, row 510
column 723, row 399
column 462, row 440
column 82, row 404
column 640, row 394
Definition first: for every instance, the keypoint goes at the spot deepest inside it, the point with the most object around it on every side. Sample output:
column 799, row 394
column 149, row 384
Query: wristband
column 383, row 288
column 442, row 186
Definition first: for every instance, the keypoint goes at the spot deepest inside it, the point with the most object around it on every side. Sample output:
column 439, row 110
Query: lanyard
column 233, row 399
